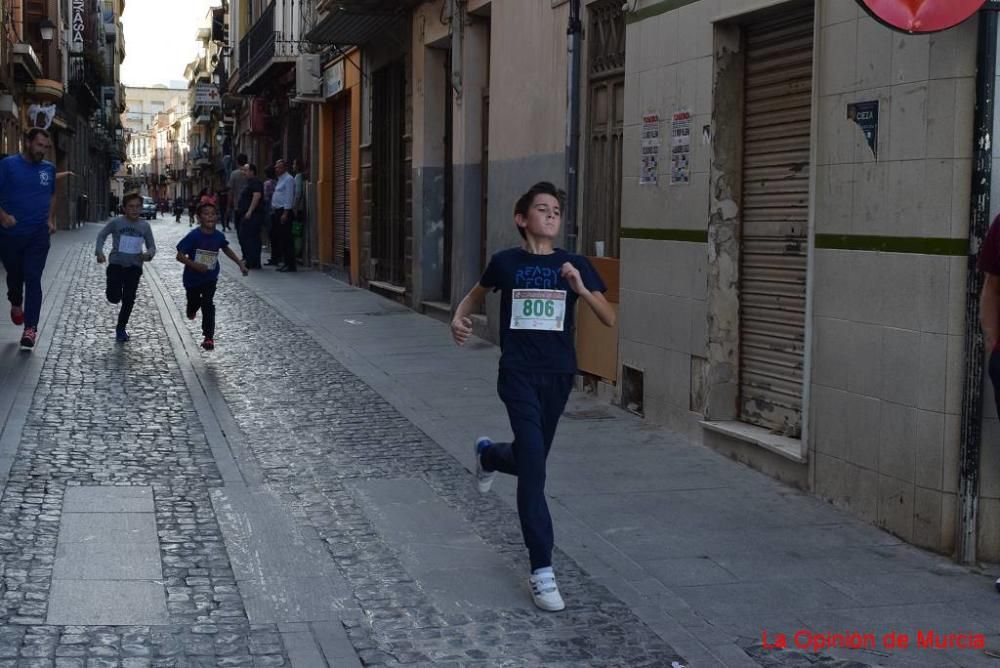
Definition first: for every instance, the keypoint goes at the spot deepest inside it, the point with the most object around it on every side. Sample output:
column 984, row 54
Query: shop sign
column 333, row 79
column 921, row 16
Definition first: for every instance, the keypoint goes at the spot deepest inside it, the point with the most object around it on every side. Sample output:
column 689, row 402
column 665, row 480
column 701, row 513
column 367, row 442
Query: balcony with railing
column 272, row 44
column 357, row 22
column 85, row 81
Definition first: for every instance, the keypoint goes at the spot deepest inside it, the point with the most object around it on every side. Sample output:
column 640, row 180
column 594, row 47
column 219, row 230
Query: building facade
column 793, row 275
column 147, row 111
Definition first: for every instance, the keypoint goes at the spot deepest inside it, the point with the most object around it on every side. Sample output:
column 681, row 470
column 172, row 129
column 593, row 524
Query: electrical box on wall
column 308, row 77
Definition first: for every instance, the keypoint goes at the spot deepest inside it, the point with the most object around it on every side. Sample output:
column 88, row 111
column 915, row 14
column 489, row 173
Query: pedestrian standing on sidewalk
column 199, row 253
column 237, row 179
column 299, row 207
column 128, row 235
column 272, row 239
column 539, row 286
column 251, row 212
column 282, row 203
column 27, row 189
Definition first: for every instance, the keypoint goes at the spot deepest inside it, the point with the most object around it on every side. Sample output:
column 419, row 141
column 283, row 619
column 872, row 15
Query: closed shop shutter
column 775, row 215
column 341, row 182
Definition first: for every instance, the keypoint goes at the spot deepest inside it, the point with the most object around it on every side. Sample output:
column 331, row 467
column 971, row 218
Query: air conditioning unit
column 308, row 77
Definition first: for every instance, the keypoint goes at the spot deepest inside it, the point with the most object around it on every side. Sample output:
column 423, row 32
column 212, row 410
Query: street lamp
column 48, row 29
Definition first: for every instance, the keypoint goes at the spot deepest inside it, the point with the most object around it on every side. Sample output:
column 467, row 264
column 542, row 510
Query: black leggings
column 202, row 297
column 123, row 284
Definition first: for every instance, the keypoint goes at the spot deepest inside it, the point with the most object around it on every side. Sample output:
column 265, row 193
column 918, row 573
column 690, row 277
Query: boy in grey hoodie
column 129, row 233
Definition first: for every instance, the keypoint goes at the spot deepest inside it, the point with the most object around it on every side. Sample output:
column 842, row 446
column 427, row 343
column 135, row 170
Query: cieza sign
column 920, row 16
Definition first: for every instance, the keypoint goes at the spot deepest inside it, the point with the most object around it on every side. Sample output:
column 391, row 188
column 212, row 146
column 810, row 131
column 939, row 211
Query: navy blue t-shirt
column 195, row 241
column 26, row 192
column 517, row 269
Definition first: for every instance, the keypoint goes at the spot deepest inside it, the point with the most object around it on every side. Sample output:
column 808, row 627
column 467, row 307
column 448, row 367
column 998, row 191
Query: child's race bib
column 207, row 258
column 543, row 310
column 130, row 245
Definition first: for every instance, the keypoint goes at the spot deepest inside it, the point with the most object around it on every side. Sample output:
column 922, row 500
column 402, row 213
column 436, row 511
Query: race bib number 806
column 542, row 310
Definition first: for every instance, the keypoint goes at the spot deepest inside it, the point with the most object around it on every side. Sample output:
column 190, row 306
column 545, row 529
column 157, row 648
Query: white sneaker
column 484, row 479
column 545, row 592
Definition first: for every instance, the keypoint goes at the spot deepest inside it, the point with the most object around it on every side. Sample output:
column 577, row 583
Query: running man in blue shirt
column 27, row 190
column 539, row 285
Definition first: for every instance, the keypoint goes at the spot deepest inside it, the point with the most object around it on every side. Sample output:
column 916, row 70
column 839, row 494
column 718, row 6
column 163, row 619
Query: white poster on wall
column 649, row 148
column 680, row 148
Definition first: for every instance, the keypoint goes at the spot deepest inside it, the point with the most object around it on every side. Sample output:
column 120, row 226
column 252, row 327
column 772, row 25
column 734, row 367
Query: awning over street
column 356, row 22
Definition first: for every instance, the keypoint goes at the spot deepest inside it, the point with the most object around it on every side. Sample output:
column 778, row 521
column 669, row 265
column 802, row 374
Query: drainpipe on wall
column 457, row 30
column 972, row 393
column 574, row 34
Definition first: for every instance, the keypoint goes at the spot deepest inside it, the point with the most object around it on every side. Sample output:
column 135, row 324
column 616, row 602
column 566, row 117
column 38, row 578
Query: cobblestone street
column 319, row 440
column 301, row 496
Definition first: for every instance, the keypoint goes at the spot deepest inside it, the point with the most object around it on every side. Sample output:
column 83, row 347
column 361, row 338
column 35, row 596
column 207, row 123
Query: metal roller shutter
column 775, row 215
column 341, row 182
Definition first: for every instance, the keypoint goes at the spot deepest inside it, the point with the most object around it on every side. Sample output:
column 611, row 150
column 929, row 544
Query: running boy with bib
column 199, row 253
column 539, row 285
column 128, row 235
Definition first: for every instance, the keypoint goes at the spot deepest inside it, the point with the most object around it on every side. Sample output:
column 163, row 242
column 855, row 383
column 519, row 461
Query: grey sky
column 160, row 39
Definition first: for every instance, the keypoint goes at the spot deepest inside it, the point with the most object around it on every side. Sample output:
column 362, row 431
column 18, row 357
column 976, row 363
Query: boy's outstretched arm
column 102, row 237
column 601, row 307
column 596, row 300
column 235, row 258
column 147, row 234
column 461, row 324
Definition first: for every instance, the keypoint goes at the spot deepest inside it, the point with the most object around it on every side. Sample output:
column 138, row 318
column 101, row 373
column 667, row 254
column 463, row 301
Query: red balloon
column 919, row 16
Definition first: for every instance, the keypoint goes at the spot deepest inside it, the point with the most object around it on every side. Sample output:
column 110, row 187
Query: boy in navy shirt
column 199, row 253
column 128, row 235
column 27, row 188
column 540, row 285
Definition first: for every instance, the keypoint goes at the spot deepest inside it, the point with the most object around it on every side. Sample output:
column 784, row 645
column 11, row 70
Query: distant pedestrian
column 539, row 285
column 192, row 208
column 128, row 235
column 251, row 215
column 237, row 180
column 209, row 196
column 268, row 227
column 222, row 204
column 282, row 203
column 27, row 190
column 300, row 219
column 199, row 253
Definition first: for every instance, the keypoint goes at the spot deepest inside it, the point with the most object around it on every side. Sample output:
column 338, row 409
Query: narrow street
column 298, row 515
column 301, row 496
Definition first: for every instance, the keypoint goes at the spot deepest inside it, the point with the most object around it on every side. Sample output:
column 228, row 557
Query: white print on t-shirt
column 207, row 258
column 43, row 178
column 130, row 245
column 543, row 310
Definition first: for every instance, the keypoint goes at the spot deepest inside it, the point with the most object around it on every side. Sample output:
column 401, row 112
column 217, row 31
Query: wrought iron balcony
column 85, row 82
column 267, row 48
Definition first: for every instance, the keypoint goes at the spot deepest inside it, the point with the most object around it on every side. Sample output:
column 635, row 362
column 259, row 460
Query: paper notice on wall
column 650, row 150
column 680, row 148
